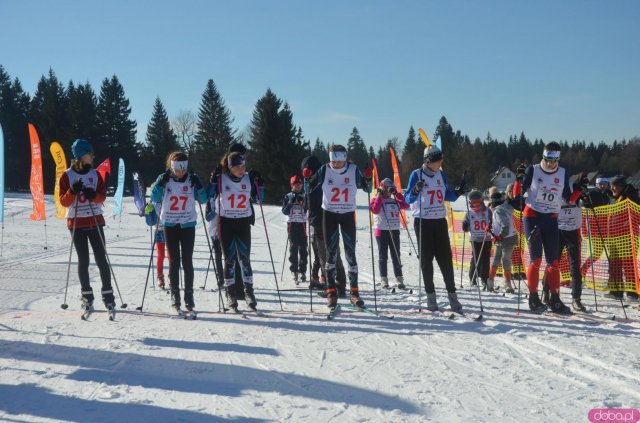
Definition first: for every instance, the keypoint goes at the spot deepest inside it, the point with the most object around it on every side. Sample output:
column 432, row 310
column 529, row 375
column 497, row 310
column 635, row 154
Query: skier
column 151, row 218
column 569, row 224
column 177, row 190
column 477, row 222
column 338, row 181
column 310, row 166
column 234, row 190
column 601, row 195
column 82, row 192
column 621, row 264
column 426, row 192
column 505, row 238
column 386, row 208
column 294, row 207
column 547, row 186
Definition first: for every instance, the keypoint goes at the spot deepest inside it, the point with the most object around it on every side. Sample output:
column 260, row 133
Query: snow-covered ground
column 291, row 365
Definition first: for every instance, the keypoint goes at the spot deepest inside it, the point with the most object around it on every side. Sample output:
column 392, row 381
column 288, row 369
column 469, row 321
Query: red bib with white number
column 235, row 196
column 339, row 189
column 89, row 180
column 178, row 203
column 431, row 204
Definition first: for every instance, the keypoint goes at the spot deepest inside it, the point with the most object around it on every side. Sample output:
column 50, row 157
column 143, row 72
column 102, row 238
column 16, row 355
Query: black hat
column 618, row 180
column 239, row 147
column 312, row 162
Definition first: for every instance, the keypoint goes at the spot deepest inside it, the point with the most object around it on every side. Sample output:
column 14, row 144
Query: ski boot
column 332, row 299
column 294, row 277
column 508, row 288
column 578, row 306
column 188, row 300
column 302, row 277
column 432, row 302
column 175, row 301
column 453, row 302
column 87, row 304
column 355, row 298
column 232, row 300
column 557, row 306
column 249, row 297
column 160, row 281
column 614, row 295
column 535, row 304
column 490, row 285
column 384, row 282
column 400, row 282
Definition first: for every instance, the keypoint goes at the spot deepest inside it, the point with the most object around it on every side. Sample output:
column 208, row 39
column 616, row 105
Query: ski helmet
column 497, row 198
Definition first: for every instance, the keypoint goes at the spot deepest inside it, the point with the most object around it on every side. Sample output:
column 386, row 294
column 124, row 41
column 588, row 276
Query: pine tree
column 320, row 151
column 161, row 140
column 357, row 150
column 82, row 114
column 214, row 134
column 14, row 109
column 411, row 157
column 116, row 130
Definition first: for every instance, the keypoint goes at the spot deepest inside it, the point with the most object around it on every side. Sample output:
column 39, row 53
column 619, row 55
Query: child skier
column 477, row 222
column 505, row 238
column 294, row 207
column 178, row 190
column 234, row 190
column 386, row 208
column 339, row 181
column 426, row 192
column 151, row 218
column 547, row 185
column 82, row 192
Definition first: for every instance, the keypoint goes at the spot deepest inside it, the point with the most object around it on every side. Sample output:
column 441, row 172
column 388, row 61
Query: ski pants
column 321, row 255
column 572, row 240
column 334, row 225
column 542, row 232
column 217, row 256
column 389, row 241
column 81, row 240
column 180, row 242
column 481, row 254
column 434, row 243
column 235, row 236
column 502, row 253
column 297, row 247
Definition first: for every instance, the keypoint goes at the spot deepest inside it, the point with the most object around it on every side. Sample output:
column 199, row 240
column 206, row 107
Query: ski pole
column 104, row 245
column 306, row 173
column 476, row 257
column 406, row 227
column 393, row 242
column 64, row 304
column 206, row 275
column 420, row 246
column 286, row 246
column 593, row 278
column 220, row 300
column 605, row 249
column 146, row 281
column 264, row 222
column 464, row 242
column 373, row 263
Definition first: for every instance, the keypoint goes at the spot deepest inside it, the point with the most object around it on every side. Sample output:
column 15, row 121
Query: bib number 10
column 335, row 198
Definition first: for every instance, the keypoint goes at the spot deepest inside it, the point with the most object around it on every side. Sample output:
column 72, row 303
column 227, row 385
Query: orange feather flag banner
column 36, row 183
column 61, row 165
column 398, row 184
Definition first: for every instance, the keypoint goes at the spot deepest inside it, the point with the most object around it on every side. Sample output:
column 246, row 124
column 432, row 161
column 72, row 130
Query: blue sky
column 554, row 69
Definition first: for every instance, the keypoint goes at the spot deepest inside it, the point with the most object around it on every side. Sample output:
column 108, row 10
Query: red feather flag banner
column 398, row 184
column 104, row 169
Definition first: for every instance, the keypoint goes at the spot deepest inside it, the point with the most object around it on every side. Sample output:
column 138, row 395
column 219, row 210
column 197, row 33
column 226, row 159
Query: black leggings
column 334, row 225
column 235, row 236
column 81, row 240
column 180, row 242
column 434, row 243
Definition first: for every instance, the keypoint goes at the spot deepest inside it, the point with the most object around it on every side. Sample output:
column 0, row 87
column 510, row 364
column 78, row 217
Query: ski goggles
column 338, row 156
column 179, row 165
column 602, row 181
column 551, row 156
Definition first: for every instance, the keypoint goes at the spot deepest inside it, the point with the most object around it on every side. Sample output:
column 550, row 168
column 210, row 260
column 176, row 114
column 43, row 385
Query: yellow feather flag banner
column 61, row 165
column 398, row 184
column 424, row 137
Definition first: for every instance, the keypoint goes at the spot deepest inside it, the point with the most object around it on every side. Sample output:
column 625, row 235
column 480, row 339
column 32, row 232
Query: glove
column 195, row 180
column 584, row 182
column 299, row 199
column 521, row 171
column 89, row 193
column 465, row 226
column 256, row 176
column 460, row 188
column 307, row 173
column 586, row 200
column 498, row 238
column 76, row 187
column 165, row 178
column 211, row 214
column 379, row 191
column 393, row 191
column 150, row 215
column 216, row 173
column 418, row 187
column 367, row 173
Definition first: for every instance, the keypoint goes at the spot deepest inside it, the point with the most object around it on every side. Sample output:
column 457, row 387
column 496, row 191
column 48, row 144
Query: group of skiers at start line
column 323, row 207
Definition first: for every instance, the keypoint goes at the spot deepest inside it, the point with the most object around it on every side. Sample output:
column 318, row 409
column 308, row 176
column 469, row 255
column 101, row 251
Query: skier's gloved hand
column 393, row 190
column 521, row 171
column 150, row 215
column 379, row 191
column 465, row 226
column 89, row 193
column 307, row 173
column 460, row 188
column 76, row 187
column 216, row 173
column 195, row 180
column 418, row 187
column 498, row 238
column 165, row 178
column 211, row 214
column 299, row 198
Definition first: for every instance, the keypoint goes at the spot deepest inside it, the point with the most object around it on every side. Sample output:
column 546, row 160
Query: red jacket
column 67, row 199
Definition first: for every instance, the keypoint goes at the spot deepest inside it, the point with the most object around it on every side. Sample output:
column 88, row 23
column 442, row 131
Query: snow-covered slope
column 291, row 365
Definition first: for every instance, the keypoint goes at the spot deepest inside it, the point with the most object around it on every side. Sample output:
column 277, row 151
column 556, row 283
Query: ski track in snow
column 291, row 365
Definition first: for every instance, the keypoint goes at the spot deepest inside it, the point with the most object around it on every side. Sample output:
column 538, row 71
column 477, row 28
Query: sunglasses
column 551, row 160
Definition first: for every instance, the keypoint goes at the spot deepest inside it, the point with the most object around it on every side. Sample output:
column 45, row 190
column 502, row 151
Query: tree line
column 276, row 145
